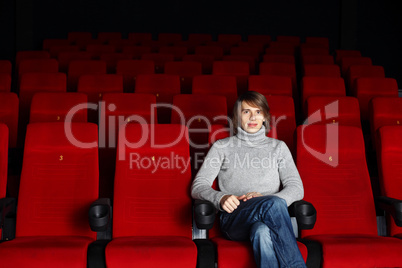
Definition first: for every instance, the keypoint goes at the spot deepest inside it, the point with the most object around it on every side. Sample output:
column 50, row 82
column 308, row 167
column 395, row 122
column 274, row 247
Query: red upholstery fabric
column 329, row 110
column 56, row 50
column 5, row 67
column 77, row 68
column 336, row 179
column 9, row 115
column 164, row 87
column 215, row 51
column 97, row 49
column 119, row 44
column 252, row 61
column 152, row 205
column 360, row 71
column 53, row 107
column 279, row 58
column 321, row 86
column 390, row 166
column 186, row 70
column 243, row 251
column 346, row 62
column 177, row 51
column 239, row 69
column 137, row 51
column 5, row 82
column 324, row 70
column 308, row 50
column 384, row 111
column 111, row 60
column 246, row 51
column 270, row 85
column 222, row 85
column 368, row 88
column 4, row 134
column 153, row 252
column 205, row 60
column 259, row 38
column 37, row 66
column 159, row 60
column 281, row 69
column 317, row 59
column 280, row 50
column 95, row 85
column 65, row 57
column 30, row 54
column 61, row 251
column 340, row 53
column 131, row 68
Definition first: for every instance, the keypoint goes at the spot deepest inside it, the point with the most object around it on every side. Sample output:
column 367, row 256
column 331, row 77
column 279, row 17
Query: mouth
column 252, row 125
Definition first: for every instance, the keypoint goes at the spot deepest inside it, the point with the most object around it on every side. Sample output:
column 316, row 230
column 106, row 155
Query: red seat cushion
column 236, row 254
column 34, row 251
column 152, row 251
column 360, row 250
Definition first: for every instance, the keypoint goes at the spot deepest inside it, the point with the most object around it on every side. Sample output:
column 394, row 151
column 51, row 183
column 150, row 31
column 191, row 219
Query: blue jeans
column 264, row 221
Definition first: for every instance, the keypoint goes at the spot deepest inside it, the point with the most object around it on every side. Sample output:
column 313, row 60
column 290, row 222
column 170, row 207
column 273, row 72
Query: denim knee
column 260, row 231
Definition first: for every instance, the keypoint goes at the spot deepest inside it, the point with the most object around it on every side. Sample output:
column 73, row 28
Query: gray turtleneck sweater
column 248, row 163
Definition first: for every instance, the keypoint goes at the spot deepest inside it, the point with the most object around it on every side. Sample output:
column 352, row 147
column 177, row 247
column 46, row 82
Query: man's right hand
column 230, row 202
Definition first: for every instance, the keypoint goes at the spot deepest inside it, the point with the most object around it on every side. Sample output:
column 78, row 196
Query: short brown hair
column 254, row 99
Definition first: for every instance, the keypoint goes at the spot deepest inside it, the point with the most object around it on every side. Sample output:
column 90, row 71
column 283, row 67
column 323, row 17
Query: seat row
column 152, row 217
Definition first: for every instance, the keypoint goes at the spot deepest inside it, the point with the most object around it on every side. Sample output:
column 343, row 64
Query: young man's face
column 252, row 118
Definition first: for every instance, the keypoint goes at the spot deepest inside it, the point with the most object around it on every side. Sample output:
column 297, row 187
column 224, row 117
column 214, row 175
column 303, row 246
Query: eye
column 245, row 112
column 258, row 112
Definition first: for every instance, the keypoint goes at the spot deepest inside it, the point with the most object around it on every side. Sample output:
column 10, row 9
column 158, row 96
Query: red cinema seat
column 164, row 87
column 140, row 37
column 255, row 45
column 119, row 44
column 229, row 38
column 340, row 53
column 32, row 83
column 200, row 38
column 270, row 85
column 59, row 181
column 55, row 50
column 55, row 107
column 290, row 39
column 252, row 61
column 308, row 50
column 317, row 59
column 279, row 58
column 83, row 43
column 169, row 38
column 283, row 45
column 48, row 43
column 321, row 86
column 389, row 161
column 217, row 85
column 65, row 57
column 205, row 60
column 161, row 230
column 129, row 69
column 106, row 36
column 78, row 68
column 346, row 62
column 333, row 110
column 177, row 51
column 362, row 71
column 38, row 66
column 239, row 69
column 111, row 60
column 265, row 39
column 137, row 51
column 119, row 109
column 323, row 70
column 30, row 54
column 159, row 60
column 246, row 51
column 5, row 66
column 332, row 164
column 384, row 111
column 5, row 82
column 198, row 113
column 96, row 50
column 215, row 51
column 281, row 69
column 4, row 134
column 280, row 51
column 9, row 115
column 186, row 70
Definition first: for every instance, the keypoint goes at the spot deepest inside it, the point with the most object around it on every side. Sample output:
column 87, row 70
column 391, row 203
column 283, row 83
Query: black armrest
column 8, row 208
column 305, row 214
column 392, row 206
column 204, row 214
column 99, row 215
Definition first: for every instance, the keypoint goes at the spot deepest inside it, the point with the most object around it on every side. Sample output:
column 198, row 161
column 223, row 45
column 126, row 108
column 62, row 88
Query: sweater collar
column 251, row 137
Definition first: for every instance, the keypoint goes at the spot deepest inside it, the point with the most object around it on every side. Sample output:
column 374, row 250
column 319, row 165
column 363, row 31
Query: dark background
column 373, row 27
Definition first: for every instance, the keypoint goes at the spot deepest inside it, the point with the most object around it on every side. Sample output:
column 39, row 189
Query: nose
column 252, row 116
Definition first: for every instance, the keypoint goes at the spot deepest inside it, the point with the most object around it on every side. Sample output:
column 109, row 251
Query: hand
column 250, row 195
column 230, row 202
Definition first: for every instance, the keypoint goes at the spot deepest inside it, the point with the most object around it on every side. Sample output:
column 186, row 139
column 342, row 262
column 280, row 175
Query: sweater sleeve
column 289, row 175
column 202, row 184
